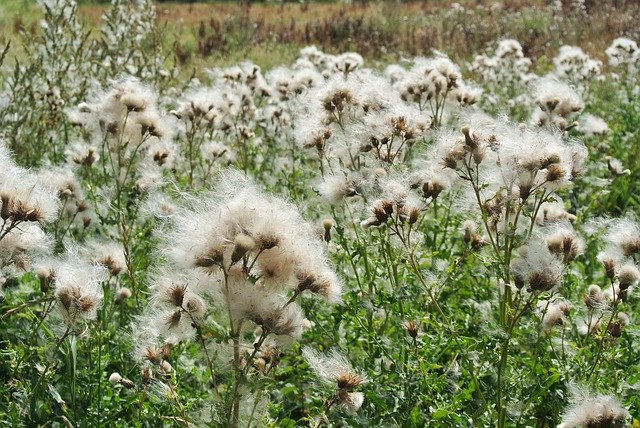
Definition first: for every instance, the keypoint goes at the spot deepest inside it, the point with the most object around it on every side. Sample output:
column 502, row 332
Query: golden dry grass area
column 410, row 27
column 301, row 13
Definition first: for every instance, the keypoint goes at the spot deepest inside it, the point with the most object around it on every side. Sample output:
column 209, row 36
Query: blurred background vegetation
column 220, row 33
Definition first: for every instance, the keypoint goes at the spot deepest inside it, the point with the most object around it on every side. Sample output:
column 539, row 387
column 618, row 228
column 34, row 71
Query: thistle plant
column 49, row 79
column 625, row 54
column 129, row 144
column 132, row 42
column 338, row 373
column 511, row 173
column 26, row 205
column 506, row 74
column 245, row 261
column 557, row 103
column 576, row 67
column 429, row 84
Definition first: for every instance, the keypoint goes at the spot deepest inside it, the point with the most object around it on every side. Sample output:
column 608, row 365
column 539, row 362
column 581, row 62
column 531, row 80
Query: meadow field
column 393, row 214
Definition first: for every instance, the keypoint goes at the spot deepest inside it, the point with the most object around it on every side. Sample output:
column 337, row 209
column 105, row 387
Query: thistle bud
column 518, row 281
column 615, row 167
column 594, row 297
column 524, row 190
column 153, row 354
column 146, row 374
column 631, row 247
column 5, row 212
column 214, row 257
column 412, row 328
column 555, row 172
column 243, row 244
column 268, row 242
column 166, row 348
column 123, row 294
column 542, row 281
column 616, row 327
column 551, row 104
column 628, row 276
column 45, row 275
column 432, row 188
column 127, row 383
column 469, row 141
column 175, row 294
column 387, row 206
column 133, row 102
column 477, row 241
column 468, row 229
column 609, row 267
column 414, row 215
column 115, row 378
column 327, row 224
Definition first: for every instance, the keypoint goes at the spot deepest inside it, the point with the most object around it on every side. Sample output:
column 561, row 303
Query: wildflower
column 78, row 291
column 616, row 326
column 116, row 379
column 327, row 224
column 19, row 245
column 121, row 295
column 249, row 254
column 615, row 293
column 348, row 62
column 574, row 65
column 564, row 242
column 470, row 236
column 242, row 245
column 609, row 265
column 624, row 52
column 432, row 188
column 336, row 371
column 336, row 188
column 24, row 200
column 552, row 212
column 556, row 102
column 591, row 125
column 553, row 313
column 411, row 328
column 615, row 167
column 594, row 411
column 467, row 95
column 623, row 238
column 628, row 275
column 508, row 65
column 108, row 254
column 67, row 188
column 82, row 154
column 536, row 267
column 594, row 297
column 45, row 275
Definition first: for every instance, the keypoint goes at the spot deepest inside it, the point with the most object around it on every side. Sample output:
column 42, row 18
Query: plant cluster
column 319, row 244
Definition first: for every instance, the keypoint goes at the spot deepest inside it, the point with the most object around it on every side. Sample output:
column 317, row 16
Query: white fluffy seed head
column 628, row 276
column 115, row 378
column 587, row 410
